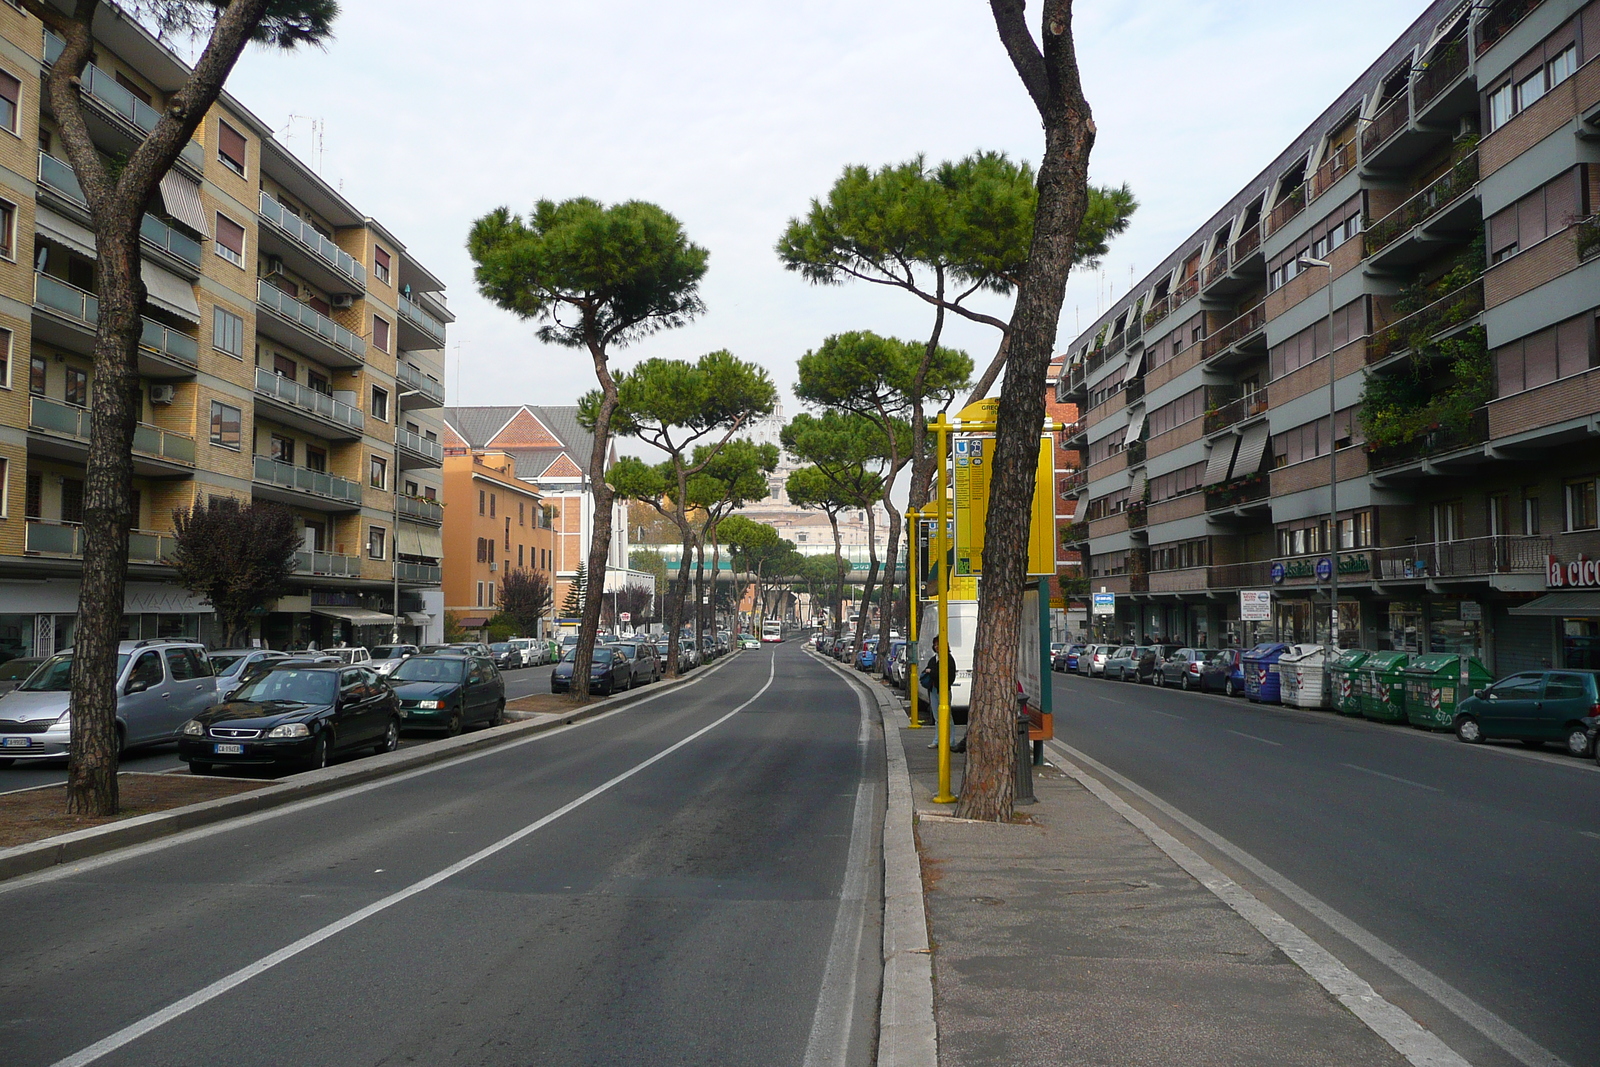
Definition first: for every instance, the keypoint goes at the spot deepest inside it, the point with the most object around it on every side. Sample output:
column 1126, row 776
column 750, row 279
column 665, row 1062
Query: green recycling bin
column 1346, row 685
column 1436, row 683
column 1383, row 686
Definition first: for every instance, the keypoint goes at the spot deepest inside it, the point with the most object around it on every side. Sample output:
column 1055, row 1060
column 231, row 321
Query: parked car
column 160, row 686
column 505, row 656
column 1120, row 663
column 1224, row 672
column 1534, row 707
column 1066, row 658
column 349, row 656
column 609, row 672
column 868, row 654
column 1184, row 667
column 449, row 692
column 641, row 657
column 13, row 672
column 897, row 651
column 708, row 648
column 1150, row 660
column 895, row 668
column 533, row 650
column 294, row 716
column 385, row 658
column 231, row 664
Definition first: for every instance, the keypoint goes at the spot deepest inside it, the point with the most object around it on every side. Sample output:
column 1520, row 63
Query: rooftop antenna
column 318, row 128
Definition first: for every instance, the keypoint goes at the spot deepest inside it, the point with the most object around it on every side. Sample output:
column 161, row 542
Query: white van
column 963, row 615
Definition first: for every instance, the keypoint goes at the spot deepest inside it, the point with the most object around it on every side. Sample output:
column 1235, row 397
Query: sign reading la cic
column 1582, row 572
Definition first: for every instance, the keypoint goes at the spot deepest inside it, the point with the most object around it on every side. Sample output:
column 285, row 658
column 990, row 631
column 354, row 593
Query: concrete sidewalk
column 1072, row 939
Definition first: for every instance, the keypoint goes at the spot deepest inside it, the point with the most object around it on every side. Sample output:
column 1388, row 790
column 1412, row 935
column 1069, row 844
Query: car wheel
column 1184, row 683
column 499, row 716
column 453, row 727
column 1230, row 688
column 1578, row 741
column 1468, row 730
column 391, row 738
column 196, row 767
column 319, row 754
column 1159, row 680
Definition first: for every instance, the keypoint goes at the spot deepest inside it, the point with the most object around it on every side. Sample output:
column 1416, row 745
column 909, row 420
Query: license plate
column 228, row 750
column 17, row 742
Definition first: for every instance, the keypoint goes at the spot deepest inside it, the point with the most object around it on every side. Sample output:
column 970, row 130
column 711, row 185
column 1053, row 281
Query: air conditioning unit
column 494, row 566
column 344, row 300
column 274, row 265
column 162, row 394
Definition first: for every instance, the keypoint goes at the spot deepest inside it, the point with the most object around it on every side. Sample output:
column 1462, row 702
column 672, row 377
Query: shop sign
column 1471, row 611
column 1324, row 569
column 1321, row 569
column 1255, row 605
column 1581, row 573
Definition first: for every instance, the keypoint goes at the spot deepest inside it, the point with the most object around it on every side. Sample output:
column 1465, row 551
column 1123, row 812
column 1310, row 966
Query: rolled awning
column 182, row 197
column 1136, row 364
column 356, row 616
column 418, row 618
column 425, row 541
column 1221, row 459
column 1572, row 604
column 169, row 292
column 64, row 231
column 1252, row 447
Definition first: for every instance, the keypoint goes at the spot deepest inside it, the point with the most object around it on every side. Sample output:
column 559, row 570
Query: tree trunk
column 981, row 388
column 864, row 613
column 672, row 614
column 886, row 597
column 699, row 594
column 600, row 539
column 838, row 566
column 1052, row 81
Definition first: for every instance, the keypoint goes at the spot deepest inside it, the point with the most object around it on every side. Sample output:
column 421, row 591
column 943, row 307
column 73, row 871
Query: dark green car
column 449, row 693
column 1534, row 707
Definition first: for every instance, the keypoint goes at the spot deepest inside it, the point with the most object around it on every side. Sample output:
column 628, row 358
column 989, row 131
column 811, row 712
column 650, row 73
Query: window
column 522, row 513
column 480, row 594
column 37, row 375
column 1301, row 349
column 411, row 489
column 33, row 496
column 316, row 460
column 1547, row 210
column 230, row 147
column 380, row 404
column 380, row 334
column 10, row 101
column 1543, row 357
column 1447, row 525
column 482, row 497
column 1519, row 687
column 1581, row 513
column 285, row 367
column 1177, row 483
column 1184, row 409
column 1495, row 514
column 283, row 449
column 5, row 489
column 380, row 264
column 224, row 425
column 227, row 331
column 182, row 668
column 429, row 493
column 8, row 229
column 1530, row 512
column 1530, row 89
column 1561, row 67
column 76, row 390
column 1181, row 555
column 519, row 547
column 1499, row 107
column 508, row 535
column 319, row 382
column 489, row 586
column 230, row 240
column 5, row 358
column 378, row 476
column 375, row 535
column 491, row 504
column 71, row 500
column 483, row 551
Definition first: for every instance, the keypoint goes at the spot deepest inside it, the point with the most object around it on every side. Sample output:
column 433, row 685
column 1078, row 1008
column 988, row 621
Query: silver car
column 160, row 686
column 231, row 663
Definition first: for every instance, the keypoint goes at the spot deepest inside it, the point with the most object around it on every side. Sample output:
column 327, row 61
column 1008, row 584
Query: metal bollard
column 1022, row 793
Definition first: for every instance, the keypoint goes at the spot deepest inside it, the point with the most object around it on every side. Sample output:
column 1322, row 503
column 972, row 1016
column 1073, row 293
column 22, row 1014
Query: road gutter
column 82, row 844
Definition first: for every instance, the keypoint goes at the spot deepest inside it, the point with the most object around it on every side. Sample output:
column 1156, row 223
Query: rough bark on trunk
column 600, row 539
column 863, row 616
column 838, row 566
column 699, row 595
column 981, row 388
column 1051, row 78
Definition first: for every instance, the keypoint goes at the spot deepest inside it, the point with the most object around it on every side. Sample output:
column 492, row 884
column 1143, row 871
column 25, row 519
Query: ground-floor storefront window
column 1580, row 644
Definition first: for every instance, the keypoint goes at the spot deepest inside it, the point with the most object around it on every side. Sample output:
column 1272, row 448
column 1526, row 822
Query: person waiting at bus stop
column 930, row 682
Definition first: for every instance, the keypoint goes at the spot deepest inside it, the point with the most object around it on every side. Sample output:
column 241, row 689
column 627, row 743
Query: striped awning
column 169, row 292
column 64, row 231
column 1220, row 461
column 182, row 197
column 1135, row 427
column 1252, row 448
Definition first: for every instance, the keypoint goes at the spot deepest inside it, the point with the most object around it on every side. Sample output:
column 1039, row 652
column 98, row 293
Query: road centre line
column 1392, row 778
column 1253, row 737
column 1513, row 1041
column 136, row 1030
column 1168, row 714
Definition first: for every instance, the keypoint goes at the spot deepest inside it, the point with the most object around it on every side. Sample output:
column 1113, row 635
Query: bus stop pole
column 914, row 556
column 941, row 428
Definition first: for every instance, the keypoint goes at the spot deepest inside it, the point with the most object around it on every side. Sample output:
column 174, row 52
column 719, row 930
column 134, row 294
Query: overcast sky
column 733, row 114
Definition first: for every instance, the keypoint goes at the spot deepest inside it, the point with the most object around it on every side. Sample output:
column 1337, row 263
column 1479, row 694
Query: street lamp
column 1333, row 467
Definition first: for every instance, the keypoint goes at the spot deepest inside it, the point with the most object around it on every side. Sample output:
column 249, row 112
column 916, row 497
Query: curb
column 908, row 1033
column 81, row 844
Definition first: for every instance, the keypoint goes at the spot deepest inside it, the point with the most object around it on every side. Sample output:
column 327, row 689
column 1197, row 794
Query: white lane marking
column 1589, row 833
column 1168, row 714
column 1402, row 1032
column 1253, row 737
column 1392, row 778
column 133, row 1032
column 1113, row 700
column 135, row 851
column 829, row 1043
column 1513, row 1041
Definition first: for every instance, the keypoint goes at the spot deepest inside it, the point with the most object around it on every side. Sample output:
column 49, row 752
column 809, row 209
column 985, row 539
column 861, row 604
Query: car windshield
column 602, row 657
column 55, row 674
column 627, row 651
column 290, row 686
column 500, row 646
column 425, row 669
column 223, row 663
column 17, row 669
column 390, row 651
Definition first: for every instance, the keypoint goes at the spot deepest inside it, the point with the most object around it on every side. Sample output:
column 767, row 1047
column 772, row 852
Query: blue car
column 868, row 655
column 1224, row 673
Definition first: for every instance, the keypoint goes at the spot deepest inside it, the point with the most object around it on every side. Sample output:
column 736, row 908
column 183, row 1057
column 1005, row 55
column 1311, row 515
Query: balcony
column 1500, row 20
column 420, row 390
column 331, row 266
column 1473, row 557
column 1451, row 311
column 160, row 340
column 1339, row 163
column 1073, row 484
column 74, row 313
column 1117, row 343
column 307, row 409
column 1223, row 413
column 420, row 509
column 419, row 573
column 1136, row 452
column 174, row 248
column 65, row 540
column 1187, row 289
column 327, row 563
column 419, row 330
column 1386, row 123
column 1133, row 391
column 1431, row 447
column 157, row 453
column 1425, row 214
column 1215, row 270
column 1160, row 308
column 417, row 451
column 294, row 485
column 1075, row 533
column 1240, row 494
column 1287, row 208
column 1441, row 70
column 132, row 117
column 305, row 329
column 1254, row 575
column 1138, row 515
column 1246, row 328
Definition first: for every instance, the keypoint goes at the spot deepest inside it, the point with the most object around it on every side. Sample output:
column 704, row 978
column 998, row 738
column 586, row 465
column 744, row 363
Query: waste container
column 1383, row 696
column 1261, row 672
column 1302, row 675
column 1435, row 684
column 1347, row 686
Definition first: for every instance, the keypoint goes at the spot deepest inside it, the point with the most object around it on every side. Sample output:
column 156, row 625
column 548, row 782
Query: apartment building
column 494, row 523
column 1374, row 370
column 292, row 352
column 1068, row 611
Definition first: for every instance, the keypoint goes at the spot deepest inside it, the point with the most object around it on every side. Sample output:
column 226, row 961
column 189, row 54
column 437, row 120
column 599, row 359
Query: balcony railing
column 1336, row 166
column 1136, row 452
column 423, row 321
column 1587, row 236
column 308, row 399
column 419, row 573
column 1134, row 390
column 1187, row 289
column 1500, row 19
column 420, row 509
column 1073, row 484
column 415, row 442
column 69, row 300
column 1160, row 308
column 1443, row 190
column 46, row 538
column 1245, row 246
column 415, row 379
column 1117, row 343
column 1291, row 205
column 1386, row 123
column 307, row 237
column 1138, row 514
column 165, row 341
column 54, row 174
column 1250, row 322
column 1256, row 574
column 1246, row 490
column 306, row 480
column 72, row 421
column 310, row 318
column 1471, row 557
column 1437, row 441
column 1216, row 269
column 327, row 563
column 1448, row 62
column 104, row 88
column 1446, row 313
column 1230, row 412
column 1075, row 532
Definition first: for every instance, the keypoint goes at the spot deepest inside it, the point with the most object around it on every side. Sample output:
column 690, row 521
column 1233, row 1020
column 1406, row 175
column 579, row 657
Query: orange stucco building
column 494, row 523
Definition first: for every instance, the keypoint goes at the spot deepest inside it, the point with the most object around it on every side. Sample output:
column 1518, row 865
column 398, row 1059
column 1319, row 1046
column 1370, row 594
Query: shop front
column 1570, row 610
column 40, row 618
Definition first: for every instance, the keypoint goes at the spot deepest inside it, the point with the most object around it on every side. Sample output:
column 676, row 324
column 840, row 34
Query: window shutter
column 10, row 89
column 230, row 235
column 1540, row 358
column 381, row 257
column 231, row 144
column 380, row 333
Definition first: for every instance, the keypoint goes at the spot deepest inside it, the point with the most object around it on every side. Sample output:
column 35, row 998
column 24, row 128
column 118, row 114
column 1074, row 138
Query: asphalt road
column 658, row 885
column 1477, row 863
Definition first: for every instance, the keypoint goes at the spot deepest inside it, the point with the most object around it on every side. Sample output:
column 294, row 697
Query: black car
column 505, row 656
column 609, row 672
column 292, row 714
column 449, row 692
column 641, row 656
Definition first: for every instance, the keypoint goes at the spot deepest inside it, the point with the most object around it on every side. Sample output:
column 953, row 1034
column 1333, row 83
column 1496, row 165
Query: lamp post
column 1333, row 468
